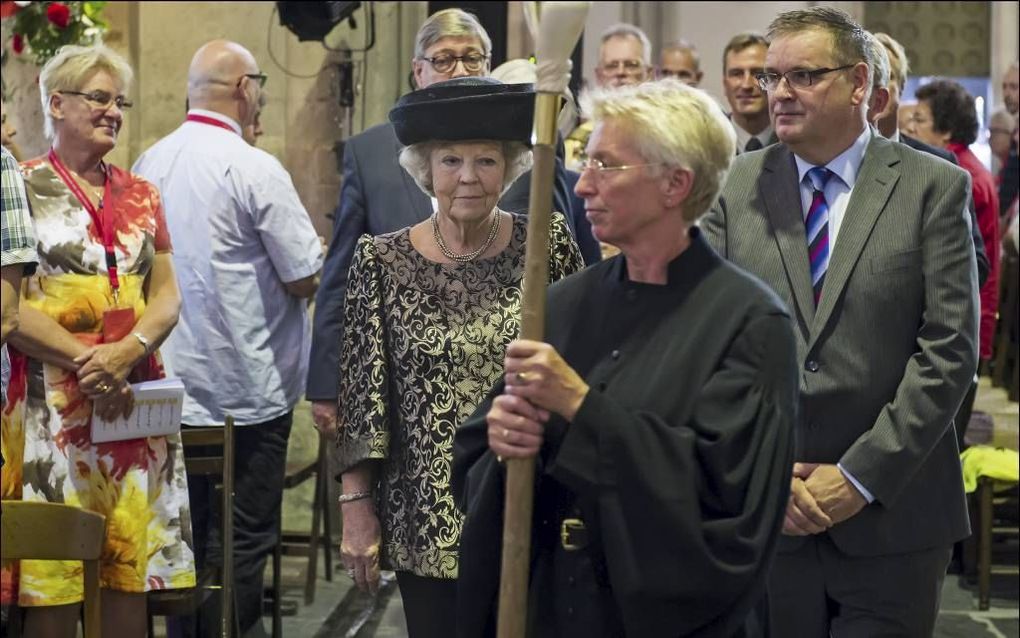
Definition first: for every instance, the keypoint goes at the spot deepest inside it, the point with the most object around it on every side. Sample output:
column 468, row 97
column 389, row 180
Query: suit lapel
column 871, row 191
column 781, row 192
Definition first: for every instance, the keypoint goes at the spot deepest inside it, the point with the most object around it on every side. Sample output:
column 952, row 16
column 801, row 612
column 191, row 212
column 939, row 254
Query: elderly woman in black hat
column 429, row 312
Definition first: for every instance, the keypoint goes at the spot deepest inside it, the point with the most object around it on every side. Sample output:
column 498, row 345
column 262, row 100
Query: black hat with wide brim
column 465, row 109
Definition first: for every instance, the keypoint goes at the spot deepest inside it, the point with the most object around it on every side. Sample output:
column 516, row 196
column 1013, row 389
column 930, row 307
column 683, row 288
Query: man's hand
column 803, row 515
column 324, row 414
column 834, row 493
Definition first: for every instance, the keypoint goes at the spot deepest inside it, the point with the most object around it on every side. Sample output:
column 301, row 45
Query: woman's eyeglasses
column 102, row 99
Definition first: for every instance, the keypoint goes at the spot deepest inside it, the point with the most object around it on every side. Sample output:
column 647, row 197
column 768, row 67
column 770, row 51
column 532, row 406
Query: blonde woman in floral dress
column 104, row 267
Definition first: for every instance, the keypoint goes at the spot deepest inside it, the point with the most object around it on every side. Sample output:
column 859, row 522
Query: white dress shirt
column 239, row 232
column 845, row 168
column 840, row 186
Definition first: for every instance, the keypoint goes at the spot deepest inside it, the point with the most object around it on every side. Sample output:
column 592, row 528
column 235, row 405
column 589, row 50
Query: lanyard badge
column 102, row 223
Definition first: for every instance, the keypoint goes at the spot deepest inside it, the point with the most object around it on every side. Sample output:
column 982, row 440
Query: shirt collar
column 217, row 116
column 846, row 165
column 743, row 137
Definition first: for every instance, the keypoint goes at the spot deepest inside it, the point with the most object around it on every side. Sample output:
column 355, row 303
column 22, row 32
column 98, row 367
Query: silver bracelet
column 353, row 496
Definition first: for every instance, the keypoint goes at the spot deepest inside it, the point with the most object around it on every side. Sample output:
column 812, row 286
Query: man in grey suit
column 868, row 243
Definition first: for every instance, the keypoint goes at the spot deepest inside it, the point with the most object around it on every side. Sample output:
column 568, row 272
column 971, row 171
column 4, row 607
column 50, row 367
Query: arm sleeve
column 363, row 431
column 682, row 504
column 564, row 255
column 328, row 320
column 161, row 238
column 18, row 245
column 937, row 376
column 283, row 224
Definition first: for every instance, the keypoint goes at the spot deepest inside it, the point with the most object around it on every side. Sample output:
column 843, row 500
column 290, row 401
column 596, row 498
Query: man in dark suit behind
column 866, row 241
column 743, row 58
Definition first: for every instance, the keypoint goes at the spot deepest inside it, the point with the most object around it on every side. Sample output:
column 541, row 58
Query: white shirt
column 239, row 232
column 840, row 186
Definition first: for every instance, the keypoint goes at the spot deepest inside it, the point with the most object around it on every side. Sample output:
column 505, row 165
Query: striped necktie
column 817, row 227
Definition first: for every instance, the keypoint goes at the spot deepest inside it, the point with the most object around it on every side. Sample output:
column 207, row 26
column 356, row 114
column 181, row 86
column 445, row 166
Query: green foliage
column 40, row 31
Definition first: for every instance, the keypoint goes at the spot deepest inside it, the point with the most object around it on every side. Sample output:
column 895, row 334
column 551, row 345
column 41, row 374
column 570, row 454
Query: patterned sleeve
column 17, row 237
column 564, row 255
column 364, row 370
column 162, row 235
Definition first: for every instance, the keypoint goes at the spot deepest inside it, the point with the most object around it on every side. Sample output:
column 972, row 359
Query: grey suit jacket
column 892, row 347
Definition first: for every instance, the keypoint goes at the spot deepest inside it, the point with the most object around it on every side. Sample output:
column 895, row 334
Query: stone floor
column 341, row 611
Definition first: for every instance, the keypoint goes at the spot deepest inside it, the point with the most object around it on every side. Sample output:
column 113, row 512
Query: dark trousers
column 430, row 605
column 261, row 461
column 818, row 591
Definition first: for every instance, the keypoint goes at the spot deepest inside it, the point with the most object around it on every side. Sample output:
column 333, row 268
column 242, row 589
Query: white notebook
column 157, row 412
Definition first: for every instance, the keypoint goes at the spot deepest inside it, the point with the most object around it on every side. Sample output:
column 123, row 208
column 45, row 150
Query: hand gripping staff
column 559, row 27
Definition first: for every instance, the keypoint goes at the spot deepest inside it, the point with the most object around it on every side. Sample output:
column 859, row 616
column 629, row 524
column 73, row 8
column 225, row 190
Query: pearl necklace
column 471, row 256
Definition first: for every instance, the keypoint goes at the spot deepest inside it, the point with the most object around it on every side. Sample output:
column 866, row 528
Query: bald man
column 247, row 258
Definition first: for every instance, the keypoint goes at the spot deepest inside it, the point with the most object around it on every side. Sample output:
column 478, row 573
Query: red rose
column 58, row 14
column 18, row 43
column 8, row 8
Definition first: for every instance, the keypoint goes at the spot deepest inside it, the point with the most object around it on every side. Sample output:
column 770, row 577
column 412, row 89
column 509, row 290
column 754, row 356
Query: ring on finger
column 522, row 377
column 506, row 434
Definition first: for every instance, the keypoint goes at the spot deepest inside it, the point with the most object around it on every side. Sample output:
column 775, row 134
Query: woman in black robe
column 661, row 408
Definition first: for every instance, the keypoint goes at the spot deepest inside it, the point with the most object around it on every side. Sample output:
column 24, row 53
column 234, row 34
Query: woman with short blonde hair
column 103, row 297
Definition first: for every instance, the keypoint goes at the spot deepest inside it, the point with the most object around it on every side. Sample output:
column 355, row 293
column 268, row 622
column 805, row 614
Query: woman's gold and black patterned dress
column 423, row 343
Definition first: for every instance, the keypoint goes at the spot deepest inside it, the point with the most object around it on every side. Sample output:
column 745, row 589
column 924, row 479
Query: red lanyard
column 104, row 226
column 211, row 121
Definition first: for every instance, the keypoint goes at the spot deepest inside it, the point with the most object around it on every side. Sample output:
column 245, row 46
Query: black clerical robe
column 678, row 460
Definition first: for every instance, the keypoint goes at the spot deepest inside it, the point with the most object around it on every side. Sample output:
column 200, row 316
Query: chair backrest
column 221, row 465
column 53, row 531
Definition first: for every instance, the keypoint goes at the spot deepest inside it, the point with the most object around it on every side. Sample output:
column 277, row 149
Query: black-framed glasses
column 797, row 78
column 444, row 62
column 259, row 77
column 102, row 99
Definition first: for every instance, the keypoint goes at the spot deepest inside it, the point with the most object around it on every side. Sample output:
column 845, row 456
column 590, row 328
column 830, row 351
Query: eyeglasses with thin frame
column 102, row 99
column 445, row 63
column 600, row 167
column 797, row 78
column 259, row 77
column 630, row 67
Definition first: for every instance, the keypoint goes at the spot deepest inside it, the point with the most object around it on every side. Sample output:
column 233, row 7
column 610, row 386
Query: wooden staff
column 560, row 26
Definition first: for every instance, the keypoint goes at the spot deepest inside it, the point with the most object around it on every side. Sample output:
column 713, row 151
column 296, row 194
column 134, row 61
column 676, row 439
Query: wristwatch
column 142, row 339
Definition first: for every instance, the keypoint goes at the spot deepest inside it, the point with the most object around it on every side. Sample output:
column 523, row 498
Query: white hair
column 417, row 161
column 72, row 67
column 675, row 125
column 624, row 30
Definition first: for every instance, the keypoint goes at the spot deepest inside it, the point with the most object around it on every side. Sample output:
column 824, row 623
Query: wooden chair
column 53, row 531
column 301, row 544
column 180, row 602
column 993, row 529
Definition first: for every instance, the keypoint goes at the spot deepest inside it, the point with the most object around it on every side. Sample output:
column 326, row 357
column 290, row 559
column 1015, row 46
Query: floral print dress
column 139, row 485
